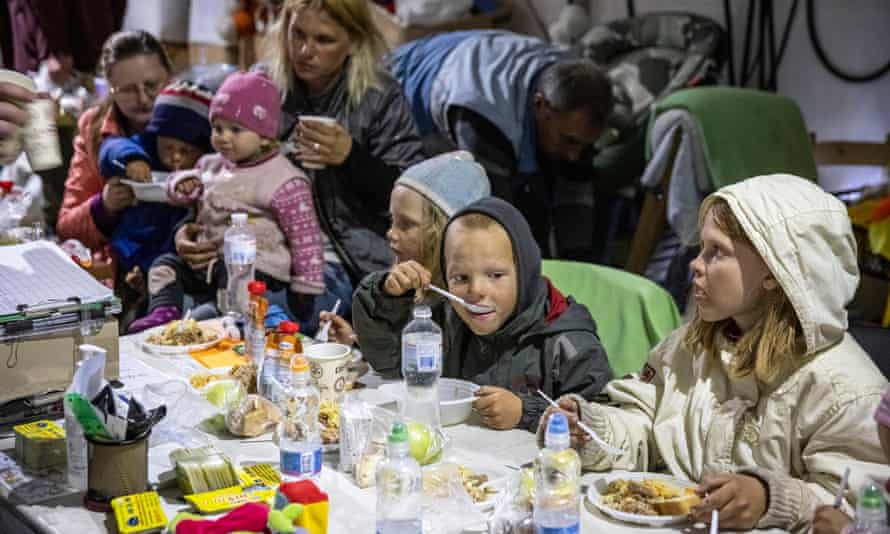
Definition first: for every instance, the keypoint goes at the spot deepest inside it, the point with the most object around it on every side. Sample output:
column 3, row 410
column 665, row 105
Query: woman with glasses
column 325, row 55
column 136, row 68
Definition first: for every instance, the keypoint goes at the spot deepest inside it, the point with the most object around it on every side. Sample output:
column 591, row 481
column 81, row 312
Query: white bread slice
column 676, row 506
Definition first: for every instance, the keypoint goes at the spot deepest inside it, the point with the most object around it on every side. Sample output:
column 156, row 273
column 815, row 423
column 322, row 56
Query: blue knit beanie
column 181, row 112
column 450, row 181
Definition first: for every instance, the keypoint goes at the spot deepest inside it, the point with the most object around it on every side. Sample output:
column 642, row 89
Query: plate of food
column 171, row 339
column 650, row 499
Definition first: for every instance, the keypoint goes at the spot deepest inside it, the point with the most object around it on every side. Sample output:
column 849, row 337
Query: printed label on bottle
column 426, row 355
column 242, row 253
column 301, row 464
column 572, row 529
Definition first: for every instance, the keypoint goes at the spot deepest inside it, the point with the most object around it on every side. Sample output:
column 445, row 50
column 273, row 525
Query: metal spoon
column 590, row 432
column 475, row 308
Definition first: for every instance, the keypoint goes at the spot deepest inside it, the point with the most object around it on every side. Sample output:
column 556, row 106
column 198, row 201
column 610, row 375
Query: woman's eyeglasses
column 132, row 91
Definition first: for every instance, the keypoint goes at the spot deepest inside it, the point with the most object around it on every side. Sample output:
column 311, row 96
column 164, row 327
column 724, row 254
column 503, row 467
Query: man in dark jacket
column 533, row 337
column 527, row 110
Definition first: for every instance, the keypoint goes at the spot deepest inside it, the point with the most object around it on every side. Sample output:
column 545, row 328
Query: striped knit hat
column 181, row 112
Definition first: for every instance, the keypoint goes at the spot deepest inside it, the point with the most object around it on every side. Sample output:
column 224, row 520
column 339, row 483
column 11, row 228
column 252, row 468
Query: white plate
column 595, row 491
column 169, row 350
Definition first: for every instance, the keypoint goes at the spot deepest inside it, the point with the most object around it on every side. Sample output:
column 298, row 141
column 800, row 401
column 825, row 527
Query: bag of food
column 447, row 505
column 254, row 416
column 427, row 444
column 513, row 509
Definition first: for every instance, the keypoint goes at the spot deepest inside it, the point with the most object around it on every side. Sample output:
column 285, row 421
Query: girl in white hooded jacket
column 764, row 398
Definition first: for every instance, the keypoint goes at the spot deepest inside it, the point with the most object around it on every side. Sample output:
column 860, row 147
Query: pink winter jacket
column 83, row 190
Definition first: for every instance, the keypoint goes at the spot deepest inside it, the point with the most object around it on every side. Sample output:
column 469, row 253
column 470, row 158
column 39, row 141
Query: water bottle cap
column 399, row 433
column 288, row 327
column 422, row 311
column 298, row 364
column 239, row 218
column 558, row 424
column 871, row 497
column 256, row 287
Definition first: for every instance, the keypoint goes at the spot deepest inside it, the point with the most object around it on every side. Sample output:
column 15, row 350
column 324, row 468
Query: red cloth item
column 558, row 302
column 302, row 492
column 251, row 517
column 882, row 210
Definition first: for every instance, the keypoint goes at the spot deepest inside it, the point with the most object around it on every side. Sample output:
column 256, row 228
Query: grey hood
column 806, row 239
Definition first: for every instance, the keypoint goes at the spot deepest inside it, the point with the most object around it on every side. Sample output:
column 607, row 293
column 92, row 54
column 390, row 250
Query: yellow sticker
column 138, row 513
column 39, row 430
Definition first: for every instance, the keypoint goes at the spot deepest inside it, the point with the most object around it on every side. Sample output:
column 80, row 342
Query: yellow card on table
column 224, row 354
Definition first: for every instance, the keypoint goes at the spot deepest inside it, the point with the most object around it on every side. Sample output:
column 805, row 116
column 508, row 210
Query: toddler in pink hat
column 247, row 175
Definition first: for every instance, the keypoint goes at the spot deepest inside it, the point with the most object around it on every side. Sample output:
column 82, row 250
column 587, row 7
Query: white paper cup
column 329, row 365
column 39, row 136
column 324, row 120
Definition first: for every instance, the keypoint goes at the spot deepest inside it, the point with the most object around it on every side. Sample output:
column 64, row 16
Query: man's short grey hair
column 575, row 84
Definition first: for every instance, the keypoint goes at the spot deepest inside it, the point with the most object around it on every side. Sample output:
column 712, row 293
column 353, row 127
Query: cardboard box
column 396, row 33
column 36, row 366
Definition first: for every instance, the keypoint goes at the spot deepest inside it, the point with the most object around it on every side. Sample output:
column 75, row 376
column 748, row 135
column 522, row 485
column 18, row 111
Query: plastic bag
column 427, row 444
column 447, row 507
column 252, row 417
column 513, row 508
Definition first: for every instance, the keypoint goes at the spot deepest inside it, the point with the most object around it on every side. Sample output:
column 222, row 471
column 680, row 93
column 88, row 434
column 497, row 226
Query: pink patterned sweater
column 277, row 197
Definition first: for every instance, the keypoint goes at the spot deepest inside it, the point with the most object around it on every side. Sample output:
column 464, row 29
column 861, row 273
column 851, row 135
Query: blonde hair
column 433, row 232
column 774, row 346
column 354, row 16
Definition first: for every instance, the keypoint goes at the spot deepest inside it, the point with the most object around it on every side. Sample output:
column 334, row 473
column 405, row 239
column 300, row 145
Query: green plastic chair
column 632, row 313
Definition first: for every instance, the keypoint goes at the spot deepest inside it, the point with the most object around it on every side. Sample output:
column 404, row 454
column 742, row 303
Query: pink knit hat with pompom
column 250, row 99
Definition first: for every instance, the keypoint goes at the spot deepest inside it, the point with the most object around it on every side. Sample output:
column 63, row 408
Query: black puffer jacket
column 352, row 200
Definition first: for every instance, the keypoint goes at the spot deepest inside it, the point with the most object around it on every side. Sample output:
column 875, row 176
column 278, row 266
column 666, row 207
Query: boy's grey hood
column 805, row 237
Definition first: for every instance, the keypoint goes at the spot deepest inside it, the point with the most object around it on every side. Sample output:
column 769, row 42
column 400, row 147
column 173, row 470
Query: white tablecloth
column 351, row 508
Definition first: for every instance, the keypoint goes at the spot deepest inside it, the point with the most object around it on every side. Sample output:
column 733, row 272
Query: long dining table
column 352, row 509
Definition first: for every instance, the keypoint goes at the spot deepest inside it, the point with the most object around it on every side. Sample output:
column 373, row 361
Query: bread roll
column 676, row 506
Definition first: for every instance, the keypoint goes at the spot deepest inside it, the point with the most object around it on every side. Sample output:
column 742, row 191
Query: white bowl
column 455, row 398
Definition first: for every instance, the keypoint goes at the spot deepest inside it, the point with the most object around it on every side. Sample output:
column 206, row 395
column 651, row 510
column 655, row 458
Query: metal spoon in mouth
column 475, row 308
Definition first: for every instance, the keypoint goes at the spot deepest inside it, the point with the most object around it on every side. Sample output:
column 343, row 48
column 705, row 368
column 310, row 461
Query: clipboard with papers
column 43, row 291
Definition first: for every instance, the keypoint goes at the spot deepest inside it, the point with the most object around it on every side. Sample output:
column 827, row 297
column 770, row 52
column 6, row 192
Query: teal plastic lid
column 398, row 434
column 871, row 497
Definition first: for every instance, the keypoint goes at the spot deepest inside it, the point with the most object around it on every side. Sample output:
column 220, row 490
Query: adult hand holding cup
column 35, row 129
column 321, row 141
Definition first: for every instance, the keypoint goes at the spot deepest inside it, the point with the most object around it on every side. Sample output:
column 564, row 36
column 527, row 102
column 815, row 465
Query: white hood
column 805, row 236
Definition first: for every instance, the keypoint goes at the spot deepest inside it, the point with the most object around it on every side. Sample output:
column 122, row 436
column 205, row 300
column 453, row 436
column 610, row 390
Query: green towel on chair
column 737, row 143
column 632, row 313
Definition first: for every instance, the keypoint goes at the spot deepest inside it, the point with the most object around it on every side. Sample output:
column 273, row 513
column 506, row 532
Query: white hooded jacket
column 692, row 418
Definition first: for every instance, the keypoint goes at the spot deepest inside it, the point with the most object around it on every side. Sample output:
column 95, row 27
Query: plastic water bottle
column 75, row 442
column 399, row 492
column 239, row 250
column 559, row 470
column 871, row 512
column 298, row 437
column 422, row 367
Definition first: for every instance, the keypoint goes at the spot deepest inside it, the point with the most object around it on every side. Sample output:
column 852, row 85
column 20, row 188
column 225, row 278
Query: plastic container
column 557, row 495
column 255, row 328
column 399, row 489
column 455, row 398
column 274, row 373
column 422, row 367
column 239, row 251
column 298, row 438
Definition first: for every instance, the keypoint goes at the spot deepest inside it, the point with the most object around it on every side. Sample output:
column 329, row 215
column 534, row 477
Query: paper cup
column 329, row 365
column 321, row 119
column 39, row 136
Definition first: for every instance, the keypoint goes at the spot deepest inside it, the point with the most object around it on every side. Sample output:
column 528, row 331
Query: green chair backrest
column 632, row 313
